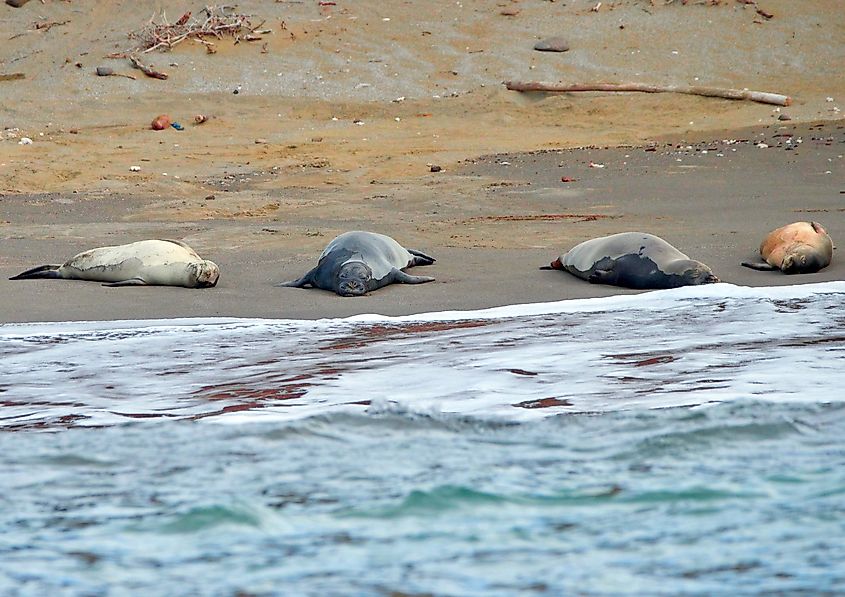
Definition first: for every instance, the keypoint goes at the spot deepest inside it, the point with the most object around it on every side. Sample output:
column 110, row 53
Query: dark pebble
column 552, row 44
column 16, row 3
column 436, row 168
column 104, row 71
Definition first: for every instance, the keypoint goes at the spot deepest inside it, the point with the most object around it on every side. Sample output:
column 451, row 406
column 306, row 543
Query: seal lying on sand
column 146, row 262
column 633, row 260
column 357, row 262
column 797, row 248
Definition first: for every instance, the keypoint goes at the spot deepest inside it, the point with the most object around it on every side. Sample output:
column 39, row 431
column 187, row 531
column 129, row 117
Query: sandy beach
column 342, row 110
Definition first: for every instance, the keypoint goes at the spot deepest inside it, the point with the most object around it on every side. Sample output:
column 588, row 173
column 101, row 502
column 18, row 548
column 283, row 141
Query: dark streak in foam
column 379, row 332
column 520, row 372
column 543, row 403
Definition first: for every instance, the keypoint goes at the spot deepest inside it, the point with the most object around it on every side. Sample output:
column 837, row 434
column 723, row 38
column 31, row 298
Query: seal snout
column 352, row 288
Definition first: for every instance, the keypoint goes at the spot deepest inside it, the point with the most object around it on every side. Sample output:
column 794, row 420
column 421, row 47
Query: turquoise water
column 682, row 442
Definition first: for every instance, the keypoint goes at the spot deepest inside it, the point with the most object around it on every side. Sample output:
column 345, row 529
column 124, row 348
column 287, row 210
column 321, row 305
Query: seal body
column 358, row 262
column 797, row 248
column 146, row 262
column 633, row 260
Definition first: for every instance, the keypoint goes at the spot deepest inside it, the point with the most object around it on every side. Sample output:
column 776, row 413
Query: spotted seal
column 797, row 248
column 146, row 262
column 633, row 260
column 358, row 262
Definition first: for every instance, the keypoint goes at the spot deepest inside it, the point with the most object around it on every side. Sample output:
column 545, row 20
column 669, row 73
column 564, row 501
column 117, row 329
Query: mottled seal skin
column 359, row 262
column 797, row 248
column 146, row 262
column 633, row 260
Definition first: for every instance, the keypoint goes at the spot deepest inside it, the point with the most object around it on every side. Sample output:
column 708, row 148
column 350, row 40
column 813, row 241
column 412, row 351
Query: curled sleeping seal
column 146, row 262
column 633, row 260
column 357, row 262
column 797, row 248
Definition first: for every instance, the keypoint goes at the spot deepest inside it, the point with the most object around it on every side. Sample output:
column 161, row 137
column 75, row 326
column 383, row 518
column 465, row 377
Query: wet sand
column 715, row 200
column 317, row 141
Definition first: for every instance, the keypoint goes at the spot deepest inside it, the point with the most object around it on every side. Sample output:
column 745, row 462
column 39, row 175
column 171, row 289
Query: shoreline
column 508, row 215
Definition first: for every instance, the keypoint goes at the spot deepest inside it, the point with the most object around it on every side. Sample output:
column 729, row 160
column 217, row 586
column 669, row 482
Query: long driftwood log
column 734, row 94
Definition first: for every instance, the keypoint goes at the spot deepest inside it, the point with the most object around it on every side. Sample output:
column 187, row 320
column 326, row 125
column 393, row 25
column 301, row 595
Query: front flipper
column 129, row 282
column 760, row 266
column 421, row 258
column 401, row 277
column 306, row 280
column 601, row 276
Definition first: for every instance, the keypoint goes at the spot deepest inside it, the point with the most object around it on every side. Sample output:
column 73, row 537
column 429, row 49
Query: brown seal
column 797, row 248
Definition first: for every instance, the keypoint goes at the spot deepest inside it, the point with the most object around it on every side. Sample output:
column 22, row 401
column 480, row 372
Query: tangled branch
column 213, row 21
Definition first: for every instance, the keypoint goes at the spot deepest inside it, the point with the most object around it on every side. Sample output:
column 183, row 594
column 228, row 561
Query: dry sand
column 264, row 210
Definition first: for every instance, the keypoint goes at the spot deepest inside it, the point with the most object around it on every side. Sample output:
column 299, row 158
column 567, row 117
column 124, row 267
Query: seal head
column 693, row 273
column 206, row 273
column 354, row 278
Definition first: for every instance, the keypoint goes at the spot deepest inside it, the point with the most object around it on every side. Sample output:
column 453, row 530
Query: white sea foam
column 688, row 346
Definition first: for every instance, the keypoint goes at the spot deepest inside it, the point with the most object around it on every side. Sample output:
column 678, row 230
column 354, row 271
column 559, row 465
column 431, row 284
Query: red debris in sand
column 161, row 122
column 567, row 179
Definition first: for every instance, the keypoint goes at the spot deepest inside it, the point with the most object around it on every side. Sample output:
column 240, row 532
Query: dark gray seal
column 358, row 262
column 633, row 260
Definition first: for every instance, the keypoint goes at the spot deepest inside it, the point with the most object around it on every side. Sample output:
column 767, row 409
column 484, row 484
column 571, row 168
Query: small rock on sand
column 552, row 44
column 104, row 71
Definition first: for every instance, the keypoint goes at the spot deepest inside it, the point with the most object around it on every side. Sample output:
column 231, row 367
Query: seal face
column 797, row 248
column 359, row 262
column 146, row 262
column 633, row 260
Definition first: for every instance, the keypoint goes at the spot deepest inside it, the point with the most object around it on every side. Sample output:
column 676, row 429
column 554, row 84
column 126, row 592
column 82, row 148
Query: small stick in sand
column 734, row 94
column 146, row 69
column 12, row 76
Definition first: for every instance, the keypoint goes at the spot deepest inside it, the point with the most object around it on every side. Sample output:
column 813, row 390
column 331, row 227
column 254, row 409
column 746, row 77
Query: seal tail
column 763, row 267
column 42, row 271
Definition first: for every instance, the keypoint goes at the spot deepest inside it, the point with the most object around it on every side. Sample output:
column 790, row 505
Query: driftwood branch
column 213, row 22
column 146, row 69
column 734, row 94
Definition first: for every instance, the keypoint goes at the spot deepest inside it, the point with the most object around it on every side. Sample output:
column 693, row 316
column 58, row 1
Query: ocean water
column 682, row 442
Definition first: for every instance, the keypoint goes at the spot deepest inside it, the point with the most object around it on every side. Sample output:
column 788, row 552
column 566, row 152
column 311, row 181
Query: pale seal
column 634, row 260
column 146, row 262
column 358, row 262
column 797, row 248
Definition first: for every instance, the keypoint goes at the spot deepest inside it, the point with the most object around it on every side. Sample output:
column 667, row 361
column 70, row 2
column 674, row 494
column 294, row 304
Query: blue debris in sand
column 177, row 126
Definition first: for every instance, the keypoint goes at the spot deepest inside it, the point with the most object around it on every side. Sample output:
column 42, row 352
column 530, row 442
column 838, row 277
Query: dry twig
column 146, row 69
column 212, row 22
column 734, row 94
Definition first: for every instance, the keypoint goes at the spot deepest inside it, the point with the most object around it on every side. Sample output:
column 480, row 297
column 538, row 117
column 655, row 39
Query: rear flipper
column 42, row 271
column 401, row 277
column 421, row 258
column 129, row 282
column 556, row 264
column 760, row 266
